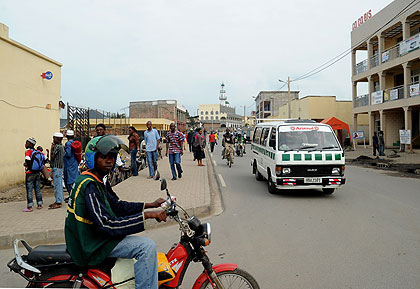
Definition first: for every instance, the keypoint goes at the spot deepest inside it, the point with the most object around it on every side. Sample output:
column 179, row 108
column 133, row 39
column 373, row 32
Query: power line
column 348, row 51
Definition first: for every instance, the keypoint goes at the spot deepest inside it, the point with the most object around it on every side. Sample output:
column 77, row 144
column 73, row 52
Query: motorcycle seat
column 48, row 254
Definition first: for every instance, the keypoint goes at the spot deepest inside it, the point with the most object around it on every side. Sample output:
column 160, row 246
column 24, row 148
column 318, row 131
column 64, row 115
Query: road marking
column 214, row 162
column 222, row 180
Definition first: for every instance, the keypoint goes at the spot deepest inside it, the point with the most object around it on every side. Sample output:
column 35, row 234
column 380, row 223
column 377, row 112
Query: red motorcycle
column 51, row 266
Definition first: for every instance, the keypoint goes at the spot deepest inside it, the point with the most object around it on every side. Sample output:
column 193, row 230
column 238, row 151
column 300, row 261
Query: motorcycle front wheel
column 233, row 279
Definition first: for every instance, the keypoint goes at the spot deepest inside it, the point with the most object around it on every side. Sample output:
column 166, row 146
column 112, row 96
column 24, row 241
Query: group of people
column 378, row 143
column 63, row 163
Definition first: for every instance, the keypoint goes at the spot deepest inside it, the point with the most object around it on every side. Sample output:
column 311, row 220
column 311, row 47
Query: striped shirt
column 58, row 161
column 175, row 141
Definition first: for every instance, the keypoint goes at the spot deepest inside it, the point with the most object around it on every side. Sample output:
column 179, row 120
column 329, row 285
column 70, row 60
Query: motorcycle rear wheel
column 237, row 278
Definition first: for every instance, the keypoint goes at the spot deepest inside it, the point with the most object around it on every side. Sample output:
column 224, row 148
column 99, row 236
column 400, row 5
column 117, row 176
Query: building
column 319, row 108
column 268, row 102
column 30, row 89
column 219, row 116
column 160, row 109
column 386, row 60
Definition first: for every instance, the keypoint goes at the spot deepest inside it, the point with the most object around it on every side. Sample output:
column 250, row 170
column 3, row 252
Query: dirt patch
column 18, row 193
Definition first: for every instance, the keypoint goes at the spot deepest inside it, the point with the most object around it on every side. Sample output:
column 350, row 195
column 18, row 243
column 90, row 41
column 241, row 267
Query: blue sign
column 48, row 75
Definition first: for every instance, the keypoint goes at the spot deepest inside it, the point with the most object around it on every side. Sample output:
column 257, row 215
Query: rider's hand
column 158, row 215
column 155, row 204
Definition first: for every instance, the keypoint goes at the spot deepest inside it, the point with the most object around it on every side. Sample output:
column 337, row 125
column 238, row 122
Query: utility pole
column 288, row 95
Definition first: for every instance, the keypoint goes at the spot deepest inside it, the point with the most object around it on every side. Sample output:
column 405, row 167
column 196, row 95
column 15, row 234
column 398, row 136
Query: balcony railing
column 394, row 93
column 391, row 53
column 374, row 61
column 361, row 100
column 361, row 66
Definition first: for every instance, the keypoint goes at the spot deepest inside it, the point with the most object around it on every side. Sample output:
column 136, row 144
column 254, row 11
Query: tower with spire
column 223, row 97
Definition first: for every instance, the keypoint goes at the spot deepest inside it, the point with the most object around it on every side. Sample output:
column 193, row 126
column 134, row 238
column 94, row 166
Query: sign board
column 377, row 97
column 362, row 19
column 358, row 134
column 409, row 45
column 47, row 75
column 414, row 89
column 393, row 94
column 385, row 56
column 405, row 136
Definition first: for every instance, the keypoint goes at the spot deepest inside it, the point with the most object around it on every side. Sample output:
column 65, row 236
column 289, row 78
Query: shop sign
column 393, row 94
column 362, row 19
column 414, row 90
column 409, row 45
column 405, row 136
column 377, row 97
column 385, row 56
column 47, row 75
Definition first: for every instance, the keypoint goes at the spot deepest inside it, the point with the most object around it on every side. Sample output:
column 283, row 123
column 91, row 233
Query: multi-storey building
column 268, row 102
column 389, row 42
column 217, row 116
column 160, row 109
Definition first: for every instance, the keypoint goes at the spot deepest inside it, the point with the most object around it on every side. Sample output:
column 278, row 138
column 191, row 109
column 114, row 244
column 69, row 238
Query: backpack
column 76, row 148
column 37, row 161
column 195, row 138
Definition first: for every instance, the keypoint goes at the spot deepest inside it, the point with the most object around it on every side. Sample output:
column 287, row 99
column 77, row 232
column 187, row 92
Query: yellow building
column 29, row 103
column 321, row 107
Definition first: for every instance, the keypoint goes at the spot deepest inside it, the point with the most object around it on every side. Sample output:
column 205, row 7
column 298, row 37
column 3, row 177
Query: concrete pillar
column 370, row 53
column 370, row 88
column 371, row 117
column 354, row 93
column 408, row 124
column 381, row 45
column 407, row 78
column 406, row 30
column 354, row 121
column 382, row 84
column 353, row 61
column 382, row 115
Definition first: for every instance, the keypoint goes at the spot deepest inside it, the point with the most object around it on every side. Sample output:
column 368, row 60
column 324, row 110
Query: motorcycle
column 51, row 266
column 239, row 148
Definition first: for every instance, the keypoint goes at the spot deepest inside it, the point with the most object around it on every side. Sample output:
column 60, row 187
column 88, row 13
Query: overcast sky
column 114, row 52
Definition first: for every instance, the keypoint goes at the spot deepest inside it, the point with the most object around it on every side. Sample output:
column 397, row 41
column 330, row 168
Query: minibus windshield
column 308, row 138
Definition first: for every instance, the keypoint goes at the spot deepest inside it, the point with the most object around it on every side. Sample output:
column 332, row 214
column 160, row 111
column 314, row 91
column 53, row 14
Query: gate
column 78, row 121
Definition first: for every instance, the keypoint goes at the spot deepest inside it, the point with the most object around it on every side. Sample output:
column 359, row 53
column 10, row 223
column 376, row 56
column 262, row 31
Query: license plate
column 312, row 180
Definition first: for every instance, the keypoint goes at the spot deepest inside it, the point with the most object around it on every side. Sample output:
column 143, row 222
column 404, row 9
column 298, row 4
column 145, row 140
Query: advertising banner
column 385, row 56
column 358, row 134
column 409, row 45
column 405, row 136
column 377, row 97
column 414, row 89
column 393, row 94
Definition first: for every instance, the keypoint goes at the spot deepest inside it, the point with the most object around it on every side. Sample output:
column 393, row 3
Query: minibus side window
column 257, row 135
column 272, row 141
column 264, row 136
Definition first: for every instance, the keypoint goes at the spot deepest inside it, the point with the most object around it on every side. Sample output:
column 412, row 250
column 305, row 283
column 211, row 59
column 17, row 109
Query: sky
column 114, row 52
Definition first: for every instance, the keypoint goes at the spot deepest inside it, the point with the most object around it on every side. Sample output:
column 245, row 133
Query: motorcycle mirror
column 163, row 184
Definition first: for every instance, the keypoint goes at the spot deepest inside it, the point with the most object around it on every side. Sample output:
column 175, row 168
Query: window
column 272, row 140
column 211, row 112
column 202, row 113
column 207, row 118
column 217, row 112
column 264, row 136
column 207, row 113
column 415, row 76
column 211, row 117
column 217, row 117
column 257, row 135
column 202, row 118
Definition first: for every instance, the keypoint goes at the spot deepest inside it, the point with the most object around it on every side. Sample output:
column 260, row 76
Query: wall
column 24, row 96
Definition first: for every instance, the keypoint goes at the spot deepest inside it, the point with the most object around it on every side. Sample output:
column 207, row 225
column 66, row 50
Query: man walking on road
column 152, row 140
column 57, row 165
column 32, row 179
column 71, row 165
column 174, row 142
column 212, row 140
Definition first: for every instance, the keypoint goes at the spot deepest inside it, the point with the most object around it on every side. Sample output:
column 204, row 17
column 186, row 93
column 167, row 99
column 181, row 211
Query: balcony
column 400, row 49
column 361, row 100
column 382, row 96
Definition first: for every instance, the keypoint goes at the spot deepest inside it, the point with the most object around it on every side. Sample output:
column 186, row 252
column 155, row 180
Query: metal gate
column 78, row 121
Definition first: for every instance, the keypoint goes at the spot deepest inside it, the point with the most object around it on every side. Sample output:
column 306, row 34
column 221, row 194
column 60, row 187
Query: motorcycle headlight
column 286, row 171
column 336, row 171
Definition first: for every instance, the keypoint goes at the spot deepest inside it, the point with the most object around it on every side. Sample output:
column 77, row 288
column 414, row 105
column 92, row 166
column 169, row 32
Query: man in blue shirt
column 71, row 165
column 152, row 139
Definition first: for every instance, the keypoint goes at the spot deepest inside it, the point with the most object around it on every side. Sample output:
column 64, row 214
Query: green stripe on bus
column 318, row 157
column 337, row 157
column 285, row 157
column 297, row 157
column 328, row 157
column 308, row 157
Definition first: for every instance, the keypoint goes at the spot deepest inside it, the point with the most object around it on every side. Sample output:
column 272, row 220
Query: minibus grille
column 311, row 171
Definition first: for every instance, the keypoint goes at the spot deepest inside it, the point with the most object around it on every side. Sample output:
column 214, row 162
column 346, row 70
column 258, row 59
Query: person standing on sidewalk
column 375, row 143
column 212, row 141
column 57, row 167
column 71, row 165
column 198, row 147
column 174, row 144
column 32, row 179
column 152, row 140
column 134, row 147
column 190, row 139
column 381, row 143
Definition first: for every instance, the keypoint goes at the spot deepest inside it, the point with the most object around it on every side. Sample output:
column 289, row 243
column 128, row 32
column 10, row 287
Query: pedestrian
column 216, row 136
column 134, row 147
column 185, row 140
column 152, row 140
column 375, row 143
column 32, row 177
column 71, row 164
column 174, row 144
column 212, row 141
column 198, row 146
column 190, row 140
column 381, row 143
column 57, row 167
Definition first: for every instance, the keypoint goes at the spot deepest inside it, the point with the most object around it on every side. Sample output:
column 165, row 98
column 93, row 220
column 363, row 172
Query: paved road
column 366, row 235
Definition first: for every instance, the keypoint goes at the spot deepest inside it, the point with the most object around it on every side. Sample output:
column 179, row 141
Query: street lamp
column 288, row 95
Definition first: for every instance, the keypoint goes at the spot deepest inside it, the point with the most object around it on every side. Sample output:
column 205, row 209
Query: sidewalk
column 47, row 226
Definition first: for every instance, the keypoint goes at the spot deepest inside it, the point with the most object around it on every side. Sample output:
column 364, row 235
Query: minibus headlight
column 286, row 171
column 336, row 171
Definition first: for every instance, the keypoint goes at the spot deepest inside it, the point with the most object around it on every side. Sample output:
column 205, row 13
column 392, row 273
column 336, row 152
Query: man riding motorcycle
column 98, row 224
column 239, row 141
column 228, row 141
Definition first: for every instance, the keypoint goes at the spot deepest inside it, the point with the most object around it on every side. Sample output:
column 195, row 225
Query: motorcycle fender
column 218, row 268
